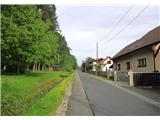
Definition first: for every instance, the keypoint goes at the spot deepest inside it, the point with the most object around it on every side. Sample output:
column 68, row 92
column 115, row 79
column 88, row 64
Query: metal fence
column 122, row 77
column 146, row 79
column 102, row 73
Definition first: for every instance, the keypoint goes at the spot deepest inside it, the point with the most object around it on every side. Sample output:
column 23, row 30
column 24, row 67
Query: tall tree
column 31, row 39
column 49, row 13
column 87, row 65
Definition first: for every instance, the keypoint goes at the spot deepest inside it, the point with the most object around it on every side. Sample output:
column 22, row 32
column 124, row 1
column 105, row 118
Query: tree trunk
column 33, row 67
column 4, row 68
column 27, row 67
column 18, row 68
column 43, row 67
column 39, row 66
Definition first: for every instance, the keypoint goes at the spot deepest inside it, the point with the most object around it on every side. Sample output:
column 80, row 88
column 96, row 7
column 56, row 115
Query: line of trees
column 87, row 64
column 31, row 39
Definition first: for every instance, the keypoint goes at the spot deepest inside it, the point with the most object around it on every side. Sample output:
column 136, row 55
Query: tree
column 49, row 13
column 87, row 65
column 31, row 39
column 83, row 67
column 17, row 25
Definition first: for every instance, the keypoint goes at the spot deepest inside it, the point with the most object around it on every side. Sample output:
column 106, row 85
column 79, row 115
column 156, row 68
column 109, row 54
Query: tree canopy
column 31, row 39
column 87, row 65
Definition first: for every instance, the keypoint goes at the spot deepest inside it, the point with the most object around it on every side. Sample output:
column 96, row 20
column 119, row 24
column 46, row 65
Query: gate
column 146, row 79
column 123, row 77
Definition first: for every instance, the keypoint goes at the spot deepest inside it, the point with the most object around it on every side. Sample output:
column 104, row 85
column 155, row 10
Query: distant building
column 54, row 67
column 94, row 66
column 142, row 55
column 103, row 63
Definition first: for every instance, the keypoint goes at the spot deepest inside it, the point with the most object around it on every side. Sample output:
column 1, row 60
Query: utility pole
column 97, row 51
column 97, row 58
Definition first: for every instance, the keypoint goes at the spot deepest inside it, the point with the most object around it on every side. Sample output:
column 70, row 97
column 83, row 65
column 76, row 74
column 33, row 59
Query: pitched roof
column 151, row 37
column 105, row 59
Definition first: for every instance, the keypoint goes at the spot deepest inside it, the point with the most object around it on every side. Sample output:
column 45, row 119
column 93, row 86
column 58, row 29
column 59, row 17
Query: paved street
column 106, row 99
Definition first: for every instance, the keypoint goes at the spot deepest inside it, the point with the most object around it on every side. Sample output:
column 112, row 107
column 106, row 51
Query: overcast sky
column 83, row 26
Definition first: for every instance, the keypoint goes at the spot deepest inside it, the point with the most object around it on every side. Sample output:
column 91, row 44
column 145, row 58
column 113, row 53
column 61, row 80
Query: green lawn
column 37, row 93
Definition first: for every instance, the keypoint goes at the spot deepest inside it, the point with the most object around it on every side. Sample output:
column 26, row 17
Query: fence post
column 108, row 74
column 115, row 75
column 131, row 82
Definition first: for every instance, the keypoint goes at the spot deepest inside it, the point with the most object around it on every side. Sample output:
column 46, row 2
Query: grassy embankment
column 35, row 93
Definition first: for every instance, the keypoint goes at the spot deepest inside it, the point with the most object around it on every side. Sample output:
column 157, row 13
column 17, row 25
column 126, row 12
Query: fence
column 122, row 77
column 101, row 73
column 108, row 74
column 146, row 79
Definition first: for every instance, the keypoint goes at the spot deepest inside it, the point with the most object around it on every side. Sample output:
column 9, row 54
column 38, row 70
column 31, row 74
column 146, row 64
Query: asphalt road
column 108, row 100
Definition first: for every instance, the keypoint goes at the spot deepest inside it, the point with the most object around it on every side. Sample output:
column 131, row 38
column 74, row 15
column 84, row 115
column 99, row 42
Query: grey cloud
column 83, row 26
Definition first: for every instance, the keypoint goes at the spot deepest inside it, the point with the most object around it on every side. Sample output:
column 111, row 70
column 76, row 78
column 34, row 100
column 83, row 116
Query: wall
column 157, row 62
column 133, row 59
column 157, row 58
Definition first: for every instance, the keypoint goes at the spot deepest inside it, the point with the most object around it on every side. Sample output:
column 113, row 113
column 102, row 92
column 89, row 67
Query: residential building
column 103, row 64
column 143, row 55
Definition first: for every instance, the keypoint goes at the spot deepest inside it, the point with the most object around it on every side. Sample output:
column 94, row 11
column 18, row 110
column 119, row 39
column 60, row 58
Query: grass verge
column 20, row 92
column 48, row 104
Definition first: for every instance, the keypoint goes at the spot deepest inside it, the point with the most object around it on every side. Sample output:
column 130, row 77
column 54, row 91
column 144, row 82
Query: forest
column 31, row 40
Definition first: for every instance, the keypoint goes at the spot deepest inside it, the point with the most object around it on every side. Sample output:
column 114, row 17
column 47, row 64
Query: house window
column 119, row 66
column 128, row 65
column 108, row 62
column 142, row 62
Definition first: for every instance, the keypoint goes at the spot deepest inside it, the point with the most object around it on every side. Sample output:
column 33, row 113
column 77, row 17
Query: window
column 128, row 65
column 108, row 62
column 119, row 66
column 142, row 62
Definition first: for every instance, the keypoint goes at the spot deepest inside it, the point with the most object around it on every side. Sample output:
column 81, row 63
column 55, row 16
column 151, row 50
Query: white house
column 94, row 66
column 105, row 64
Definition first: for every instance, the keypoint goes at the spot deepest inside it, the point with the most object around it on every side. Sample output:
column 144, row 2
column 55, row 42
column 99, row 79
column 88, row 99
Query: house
column 54, row 67
column 94, row 66
column 103, row 64
column 143, row 55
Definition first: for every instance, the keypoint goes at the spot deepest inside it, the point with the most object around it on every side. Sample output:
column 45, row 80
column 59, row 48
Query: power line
column 128, row 24
column 121, row 18
column 83, row 50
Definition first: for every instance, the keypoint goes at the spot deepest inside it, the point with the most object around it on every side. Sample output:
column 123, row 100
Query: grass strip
column 49, row 103
column 19, row 92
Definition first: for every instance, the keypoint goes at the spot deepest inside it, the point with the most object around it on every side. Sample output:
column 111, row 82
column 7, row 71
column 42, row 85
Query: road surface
column 78, row 104
column 107, row 100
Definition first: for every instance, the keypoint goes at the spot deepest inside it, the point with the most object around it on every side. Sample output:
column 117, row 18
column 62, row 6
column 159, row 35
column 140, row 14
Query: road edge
column 62, row 108
column 78, row 102
column 86, row 96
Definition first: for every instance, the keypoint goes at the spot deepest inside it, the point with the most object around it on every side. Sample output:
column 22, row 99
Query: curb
column 62, row 109
column 78, row 102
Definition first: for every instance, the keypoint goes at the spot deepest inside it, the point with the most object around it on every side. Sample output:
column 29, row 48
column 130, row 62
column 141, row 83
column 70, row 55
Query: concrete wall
column 133, row 59
column 157, row 58
column 157, row 62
